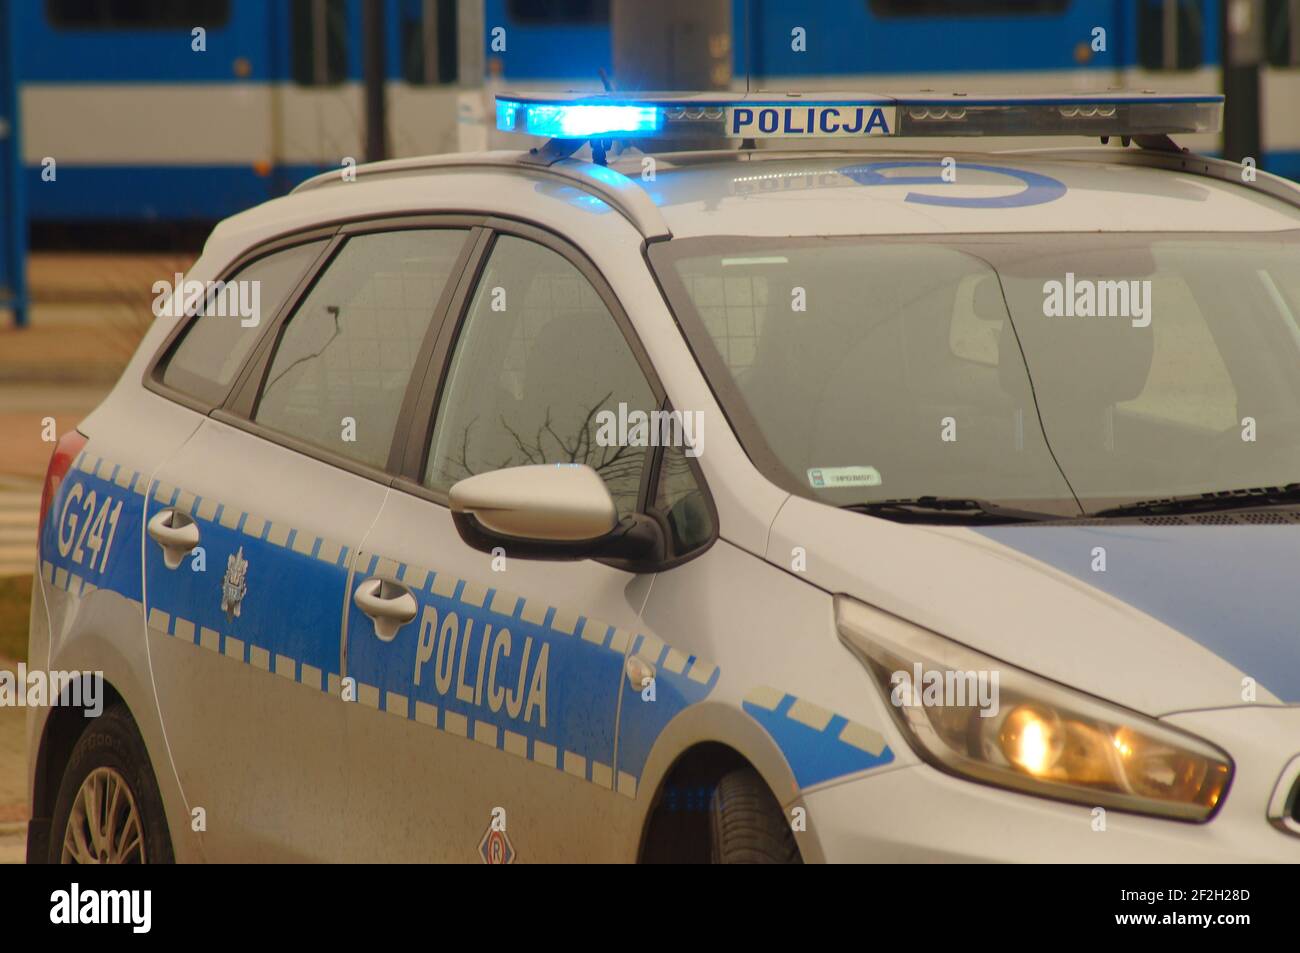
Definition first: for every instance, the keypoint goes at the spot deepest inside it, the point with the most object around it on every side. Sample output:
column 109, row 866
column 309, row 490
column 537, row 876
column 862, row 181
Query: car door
column 252, row 532
column 489, row 722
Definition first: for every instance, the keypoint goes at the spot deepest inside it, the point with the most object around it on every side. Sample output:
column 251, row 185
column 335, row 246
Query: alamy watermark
column 657, row 428
column 34, row 688
column 945, row 688
column 224, row 299
column 78, row 905
column 1085, row 298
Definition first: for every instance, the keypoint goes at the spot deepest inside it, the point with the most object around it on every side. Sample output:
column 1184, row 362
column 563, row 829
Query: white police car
column 745, row 505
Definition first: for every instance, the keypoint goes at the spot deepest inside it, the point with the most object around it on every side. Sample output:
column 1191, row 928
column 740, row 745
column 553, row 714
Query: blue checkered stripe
column 585, row 658
column 818, row 744
column 288, row 621
column 303, row 645
column 114, row 563
column 582, row 738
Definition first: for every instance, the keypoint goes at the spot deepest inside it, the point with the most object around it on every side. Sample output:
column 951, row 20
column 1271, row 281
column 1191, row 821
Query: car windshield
column 1048, row 372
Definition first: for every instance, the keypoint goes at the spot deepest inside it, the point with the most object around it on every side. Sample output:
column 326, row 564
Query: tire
column 110, row 761
column 747, row 825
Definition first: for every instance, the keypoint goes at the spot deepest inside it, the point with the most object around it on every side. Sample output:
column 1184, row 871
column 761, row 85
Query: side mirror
column 549, row 511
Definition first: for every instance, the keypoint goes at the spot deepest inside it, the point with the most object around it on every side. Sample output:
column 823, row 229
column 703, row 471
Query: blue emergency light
column 766, row 115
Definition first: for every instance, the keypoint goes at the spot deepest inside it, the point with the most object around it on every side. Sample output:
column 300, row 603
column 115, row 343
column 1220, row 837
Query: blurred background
column 129, row 127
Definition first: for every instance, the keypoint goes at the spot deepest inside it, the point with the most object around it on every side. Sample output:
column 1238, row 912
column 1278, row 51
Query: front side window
column 1109, row 368
column 539, row 365
column 345, row 356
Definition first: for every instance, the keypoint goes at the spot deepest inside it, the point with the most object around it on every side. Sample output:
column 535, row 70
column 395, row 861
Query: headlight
column 979, row 718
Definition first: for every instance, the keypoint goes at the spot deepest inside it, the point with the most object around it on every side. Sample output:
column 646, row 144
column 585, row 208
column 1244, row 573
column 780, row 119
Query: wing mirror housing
column 551, row 511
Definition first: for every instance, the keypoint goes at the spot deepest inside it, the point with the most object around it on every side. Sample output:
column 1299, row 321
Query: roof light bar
column 578, row 120
column 849, row 115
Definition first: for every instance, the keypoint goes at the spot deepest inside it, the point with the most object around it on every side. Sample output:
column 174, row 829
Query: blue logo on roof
column 1039, row 189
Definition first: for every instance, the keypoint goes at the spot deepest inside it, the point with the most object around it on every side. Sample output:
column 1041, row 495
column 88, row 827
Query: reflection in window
column 681, row 501
column 345, row 357
column 1188, row 383
column 215, row 345
column 539, row 357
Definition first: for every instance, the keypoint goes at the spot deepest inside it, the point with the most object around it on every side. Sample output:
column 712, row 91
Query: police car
column 754, row 504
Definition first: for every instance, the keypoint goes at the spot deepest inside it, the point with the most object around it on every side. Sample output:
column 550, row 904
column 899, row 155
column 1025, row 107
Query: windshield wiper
column 1208, row 502
column 949, row 509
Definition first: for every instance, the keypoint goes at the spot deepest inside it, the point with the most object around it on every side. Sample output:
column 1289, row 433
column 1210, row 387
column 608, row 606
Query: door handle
column 389, row 604
column 638, row 670
column 176, row 533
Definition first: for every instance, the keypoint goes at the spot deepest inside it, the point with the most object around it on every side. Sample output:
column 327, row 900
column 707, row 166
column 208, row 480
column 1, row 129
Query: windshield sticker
column 830, row 477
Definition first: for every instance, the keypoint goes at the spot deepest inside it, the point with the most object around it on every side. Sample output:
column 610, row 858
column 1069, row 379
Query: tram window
column 956, row 8
column 136, row 14
column 320, row 42
column 428, row 32
column 1282, row 32
column 1171, row 34
column 555, row 12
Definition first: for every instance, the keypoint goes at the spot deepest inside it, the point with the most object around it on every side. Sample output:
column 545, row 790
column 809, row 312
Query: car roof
column 783, row 193
column 896, row 193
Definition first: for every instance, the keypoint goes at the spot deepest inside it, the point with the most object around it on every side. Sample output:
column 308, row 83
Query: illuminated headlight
column 981, row 719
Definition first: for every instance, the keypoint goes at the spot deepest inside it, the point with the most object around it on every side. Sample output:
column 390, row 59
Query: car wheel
column 747, row 825
column 109, row 810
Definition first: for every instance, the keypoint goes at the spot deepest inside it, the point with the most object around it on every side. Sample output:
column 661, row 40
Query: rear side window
column 342, row 364
column 216, row 343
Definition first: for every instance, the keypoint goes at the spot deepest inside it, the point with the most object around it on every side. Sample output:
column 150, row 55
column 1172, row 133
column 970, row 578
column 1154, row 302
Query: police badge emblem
column 235, row 584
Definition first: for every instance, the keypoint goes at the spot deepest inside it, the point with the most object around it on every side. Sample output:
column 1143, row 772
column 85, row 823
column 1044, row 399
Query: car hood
column 1178, row 618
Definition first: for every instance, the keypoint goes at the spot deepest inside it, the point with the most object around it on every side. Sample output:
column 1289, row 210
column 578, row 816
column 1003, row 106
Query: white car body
column 245, row 721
